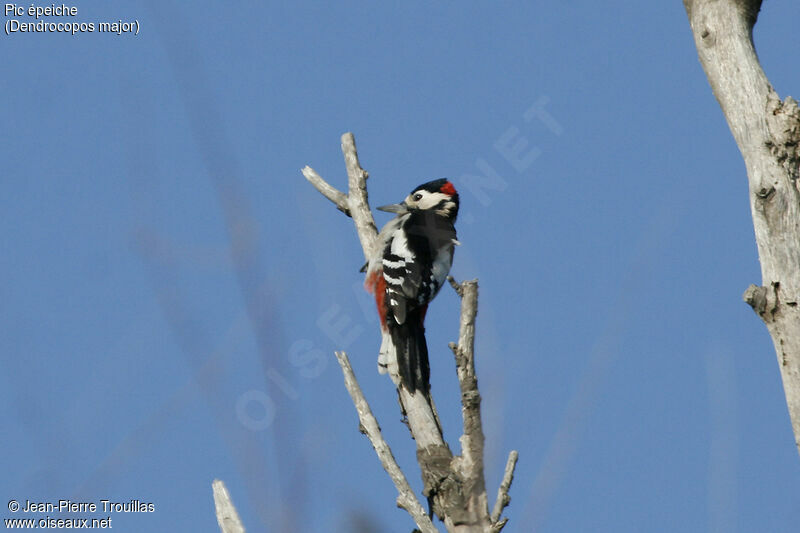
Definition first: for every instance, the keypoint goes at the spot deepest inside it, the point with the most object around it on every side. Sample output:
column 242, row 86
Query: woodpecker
column 410, row 262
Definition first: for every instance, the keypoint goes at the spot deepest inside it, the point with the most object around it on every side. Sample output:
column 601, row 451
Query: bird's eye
column 418, row 196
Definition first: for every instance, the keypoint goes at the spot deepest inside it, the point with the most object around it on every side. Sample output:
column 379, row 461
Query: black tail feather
column 412, row 353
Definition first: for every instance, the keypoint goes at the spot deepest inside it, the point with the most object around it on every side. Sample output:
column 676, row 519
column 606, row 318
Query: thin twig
column 503, row 498
column 406, row 498
column 328, row 191
column 227, row 517
column 456, row 285
column 498, row 526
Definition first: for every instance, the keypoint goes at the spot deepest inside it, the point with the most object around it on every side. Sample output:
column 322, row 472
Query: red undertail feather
column 376, row 285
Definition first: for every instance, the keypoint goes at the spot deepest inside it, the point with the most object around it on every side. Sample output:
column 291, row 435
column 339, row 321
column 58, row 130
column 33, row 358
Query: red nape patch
column 448, row 188
column 377, row 286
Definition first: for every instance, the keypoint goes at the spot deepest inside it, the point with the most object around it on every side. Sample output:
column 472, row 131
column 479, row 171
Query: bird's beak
column 394, row 208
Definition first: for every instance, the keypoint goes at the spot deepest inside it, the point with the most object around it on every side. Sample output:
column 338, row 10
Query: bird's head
column 438, row 195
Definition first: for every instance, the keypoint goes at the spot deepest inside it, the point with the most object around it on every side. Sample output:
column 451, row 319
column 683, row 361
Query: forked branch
column 369, row 426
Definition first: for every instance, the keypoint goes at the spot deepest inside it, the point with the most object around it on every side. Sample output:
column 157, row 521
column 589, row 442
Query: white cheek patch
column 430, row 200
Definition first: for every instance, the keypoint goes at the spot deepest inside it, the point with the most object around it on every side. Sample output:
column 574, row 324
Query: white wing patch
column 400, row 246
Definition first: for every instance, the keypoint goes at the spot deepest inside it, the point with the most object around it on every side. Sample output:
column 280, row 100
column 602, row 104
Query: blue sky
column 174, row 289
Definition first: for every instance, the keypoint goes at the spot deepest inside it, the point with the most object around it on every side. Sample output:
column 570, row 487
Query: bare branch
column 503, row 499
column 227, row 517
column 470, row 464
column 357, row 197
column 767, row 132
column 406, row 498
column 472, row 441
column 328, row 191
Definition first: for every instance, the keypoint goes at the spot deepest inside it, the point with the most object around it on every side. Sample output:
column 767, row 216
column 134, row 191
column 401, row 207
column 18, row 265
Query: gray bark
column 767, row 131
column 227, row 517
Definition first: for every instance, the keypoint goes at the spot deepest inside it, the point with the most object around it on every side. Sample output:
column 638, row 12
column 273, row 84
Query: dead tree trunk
column 767, row 131
column 454, row 483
